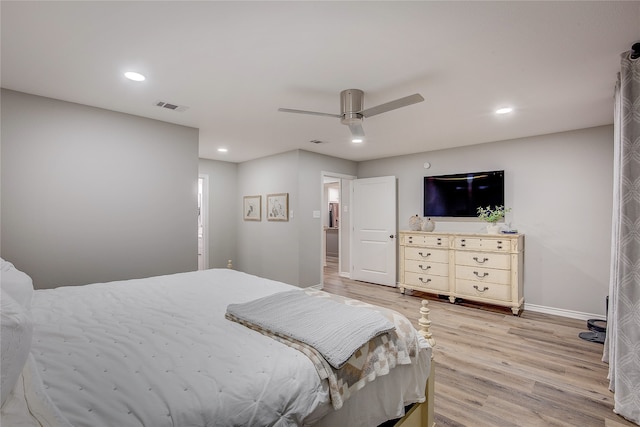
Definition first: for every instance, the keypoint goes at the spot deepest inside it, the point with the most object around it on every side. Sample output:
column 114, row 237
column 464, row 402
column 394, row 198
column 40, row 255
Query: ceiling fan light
column 351, row 119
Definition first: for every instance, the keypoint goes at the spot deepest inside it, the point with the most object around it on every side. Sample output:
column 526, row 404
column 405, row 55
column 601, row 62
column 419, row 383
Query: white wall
column 560, row 189
column 93, row 195
column 223, row 210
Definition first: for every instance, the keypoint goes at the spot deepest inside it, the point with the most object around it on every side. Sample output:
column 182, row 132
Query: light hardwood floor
column 494, row 369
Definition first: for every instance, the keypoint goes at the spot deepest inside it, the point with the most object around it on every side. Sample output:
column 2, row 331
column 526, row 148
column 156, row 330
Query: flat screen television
column 460, row 195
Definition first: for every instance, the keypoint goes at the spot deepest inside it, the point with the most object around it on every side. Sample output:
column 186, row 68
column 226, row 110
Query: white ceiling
column 235, row 63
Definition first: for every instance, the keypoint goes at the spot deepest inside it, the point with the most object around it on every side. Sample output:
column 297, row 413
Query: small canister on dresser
column 415, row 223
column 428, row 224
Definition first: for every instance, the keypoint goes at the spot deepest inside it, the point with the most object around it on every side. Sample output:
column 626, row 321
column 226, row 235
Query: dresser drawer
column 426, row 281
column 482, row 243
column 426, row 254
column 487, row 290
column 426, row 267
column 425, row 240
column 484, row 259
column 481, row 274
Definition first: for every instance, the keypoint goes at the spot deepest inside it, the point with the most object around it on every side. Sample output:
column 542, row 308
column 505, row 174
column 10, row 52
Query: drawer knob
column 479, row 276
column 424, row 281
column 480, row 290
column 476, row 259
column 423, row 255
column 424, row 267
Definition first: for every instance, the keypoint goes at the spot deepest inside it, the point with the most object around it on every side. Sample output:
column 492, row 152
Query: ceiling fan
column 352, row 109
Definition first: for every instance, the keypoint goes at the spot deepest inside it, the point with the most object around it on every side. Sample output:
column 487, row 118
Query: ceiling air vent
column 170, row 106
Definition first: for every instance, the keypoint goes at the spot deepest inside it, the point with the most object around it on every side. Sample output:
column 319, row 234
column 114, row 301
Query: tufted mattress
column 159, row 352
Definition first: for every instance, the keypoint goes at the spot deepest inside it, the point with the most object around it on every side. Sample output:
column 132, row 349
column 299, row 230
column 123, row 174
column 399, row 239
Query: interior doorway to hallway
column 203, row 223
column 335, row 219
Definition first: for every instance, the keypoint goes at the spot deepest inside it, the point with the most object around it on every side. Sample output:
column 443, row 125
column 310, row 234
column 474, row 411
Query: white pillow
column 16, row 329
column 16, row 283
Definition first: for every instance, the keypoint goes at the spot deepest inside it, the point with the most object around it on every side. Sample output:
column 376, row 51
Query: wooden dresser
column 481, row 267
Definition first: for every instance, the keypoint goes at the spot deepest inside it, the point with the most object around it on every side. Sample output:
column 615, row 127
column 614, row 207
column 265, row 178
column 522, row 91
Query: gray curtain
column 622, row 345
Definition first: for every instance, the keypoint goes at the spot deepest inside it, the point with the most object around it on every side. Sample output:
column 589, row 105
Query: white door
column 374, row 230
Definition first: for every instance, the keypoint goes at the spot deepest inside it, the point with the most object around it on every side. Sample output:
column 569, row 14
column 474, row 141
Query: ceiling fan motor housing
column 351, row 103
column 352, row 110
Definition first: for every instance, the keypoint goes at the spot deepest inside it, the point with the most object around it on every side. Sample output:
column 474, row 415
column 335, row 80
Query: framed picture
column 278, row 207
column 252, row 208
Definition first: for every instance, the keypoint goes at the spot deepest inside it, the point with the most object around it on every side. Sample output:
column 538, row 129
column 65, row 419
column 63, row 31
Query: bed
column 165, row 351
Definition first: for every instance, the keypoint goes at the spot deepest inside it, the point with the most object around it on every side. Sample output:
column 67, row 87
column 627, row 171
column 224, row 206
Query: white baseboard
column 562, row 312
column 319, row 286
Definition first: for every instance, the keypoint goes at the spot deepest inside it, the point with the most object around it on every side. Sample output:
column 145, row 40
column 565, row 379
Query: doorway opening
column 332, row 224
column 335, row 228
column 203, row 222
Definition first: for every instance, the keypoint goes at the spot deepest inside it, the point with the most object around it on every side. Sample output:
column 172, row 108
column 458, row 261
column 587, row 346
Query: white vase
column 415, row 223
column 494, row 228
column 428, row 224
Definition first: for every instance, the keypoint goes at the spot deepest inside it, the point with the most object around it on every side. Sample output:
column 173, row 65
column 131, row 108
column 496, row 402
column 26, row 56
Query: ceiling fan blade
column 392, row 105
column 356, row 130
column 314, row 113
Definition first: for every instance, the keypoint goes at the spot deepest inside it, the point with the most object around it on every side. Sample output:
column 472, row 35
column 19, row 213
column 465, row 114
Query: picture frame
column 278, row 207
column 252, row 208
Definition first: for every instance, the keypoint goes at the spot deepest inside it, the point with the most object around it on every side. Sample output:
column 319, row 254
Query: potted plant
column 492, row 216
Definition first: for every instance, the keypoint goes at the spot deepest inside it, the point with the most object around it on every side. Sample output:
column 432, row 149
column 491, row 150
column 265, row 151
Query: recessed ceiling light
column 222, row 150
column 357, row 140
column 504, row 110
column 136, row 77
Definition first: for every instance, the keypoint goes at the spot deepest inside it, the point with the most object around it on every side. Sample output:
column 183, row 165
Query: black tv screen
column 460, row 195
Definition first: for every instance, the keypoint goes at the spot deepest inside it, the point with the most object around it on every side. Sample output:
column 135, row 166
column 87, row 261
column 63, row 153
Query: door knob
column 392, row 236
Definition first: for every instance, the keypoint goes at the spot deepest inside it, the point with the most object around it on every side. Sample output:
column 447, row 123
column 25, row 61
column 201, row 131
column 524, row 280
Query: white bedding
column 159, row 352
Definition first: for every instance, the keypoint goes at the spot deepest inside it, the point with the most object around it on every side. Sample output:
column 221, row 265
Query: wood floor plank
column 525, row 416
column 494, row 369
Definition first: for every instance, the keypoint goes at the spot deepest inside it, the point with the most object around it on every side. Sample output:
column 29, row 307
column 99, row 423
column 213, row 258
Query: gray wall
column 93, row 195
column 223, row 210
column 310, row 187
column 286, row 251
column 560, row 189
column 269, row 248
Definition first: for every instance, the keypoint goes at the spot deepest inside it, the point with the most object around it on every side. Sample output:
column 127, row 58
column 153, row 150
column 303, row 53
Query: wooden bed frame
column 420, row 414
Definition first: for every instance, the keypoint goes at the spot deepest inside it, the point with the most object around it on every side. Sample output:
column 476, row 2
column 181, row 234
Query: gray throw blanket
column 335, row 330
